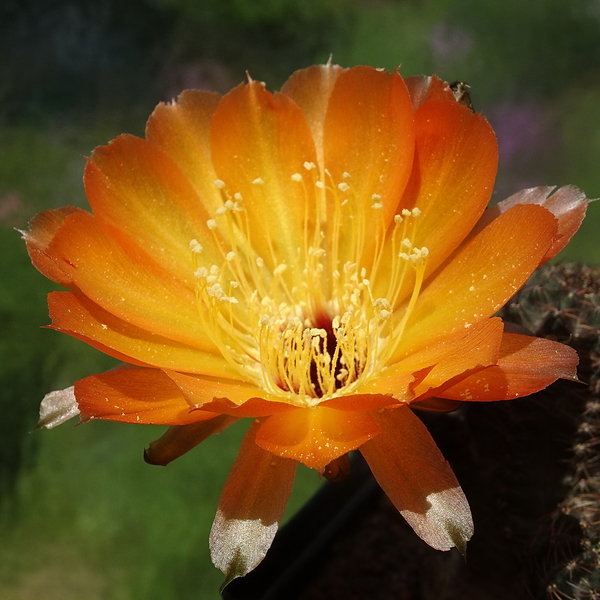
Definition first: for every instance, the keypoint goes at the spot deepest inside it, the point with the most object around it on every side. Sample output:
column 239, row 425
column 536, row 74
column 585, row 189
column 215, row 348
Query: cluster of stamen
column 314, row 329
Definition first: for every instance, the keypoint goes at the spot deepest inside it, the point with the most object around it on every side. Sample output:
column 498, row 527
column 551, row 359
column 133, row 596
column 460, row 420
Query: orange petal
column 456, row 159
column 479, row 348
column 427, row 87
column 234, row 398
column 481, row 276
column 200, row 390
column 526, row 365
column 393, row 382
column 251, row 506
column 145, row 396
column 568, row 204
column 181, row 129
column 440, row 361
column 255, row 407
column 315, row 436
column 413, row 473
column 258, row 141
column 135, row 187
column 77, row 315
column 42, row 229
column 179, row 439
column 311, row 89
column 361, row 402
column 368, row 144
column 124, row 280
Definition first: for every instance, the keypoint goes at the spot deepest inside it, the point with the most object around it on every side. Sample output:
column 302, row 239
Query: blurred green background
column 82, row 517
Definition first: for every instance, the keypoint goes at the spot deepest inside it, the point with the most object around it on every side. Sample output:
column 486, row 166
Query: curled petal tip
column 458, row 537
column 238, row 567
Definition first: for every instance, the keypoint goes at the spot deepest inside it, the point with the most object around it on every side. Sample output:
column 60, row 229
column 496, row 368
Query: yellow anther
column 195, row 246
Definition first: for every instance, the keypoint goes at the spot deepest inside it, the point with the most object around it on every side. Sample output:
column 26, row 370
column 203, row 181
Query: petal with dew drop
column 480, row 277
column 77, row 315
column 568, row 204
column 251, row 506
column 415, row 476
column 259, row 141
column 315, row 436
column 526, row 365
column 477, row 346
column 42, row 229
column 144, row 396
column 368, row 142
column 199, row 391
column 121, row 278
column 136, row 188
column 456, row 158
column 311, row 89
column 181, row 129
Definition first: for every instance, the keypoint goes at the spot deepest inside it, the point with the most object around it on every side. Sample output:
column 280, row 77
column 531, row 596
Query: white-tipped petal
column 58, row 407
column 251, row 506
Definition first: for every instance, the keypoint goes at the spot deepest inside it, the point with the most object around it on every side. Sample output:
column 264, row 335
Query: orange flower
column 320, row 260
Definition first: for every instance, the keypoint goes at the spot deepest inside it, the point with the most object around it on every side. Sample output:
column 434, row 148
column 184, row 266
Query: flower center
column 314, row 329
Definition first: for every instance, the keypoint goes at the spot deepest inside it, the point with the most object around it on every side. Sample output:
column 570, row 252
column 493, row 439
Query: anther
column 195, row 246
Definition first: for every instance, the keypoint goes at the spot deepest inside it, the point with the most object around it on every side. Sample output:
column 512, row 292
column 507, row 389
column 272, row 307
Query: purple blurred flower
column 521, row 129
column 448, row 42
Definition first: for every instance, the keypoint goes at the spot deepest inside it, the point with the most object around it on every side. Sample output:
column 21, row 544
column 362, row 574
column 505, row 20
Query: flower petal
column 427, row 87
column 181, row 129
column 198, row 391
column 478, row 349
column 315, row 436
column 251, row 506
column 144, row 396
column 124, row 280
column 42, row 229
column 456, row 159
column 413, row 473
column 258, row 141
column 311, row 89
column 179, row 439
column 77, row 315
column 369, row 115
column 481, row 276
column 462, row 351
column 526, row 365
column 568, row 204
column 136, row 188
column 234, row 398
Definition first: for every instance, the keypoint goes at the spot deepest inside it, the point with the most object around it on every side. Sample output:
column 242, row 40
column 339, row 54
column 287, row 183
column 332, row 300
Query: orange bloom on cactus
column 320, row 260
